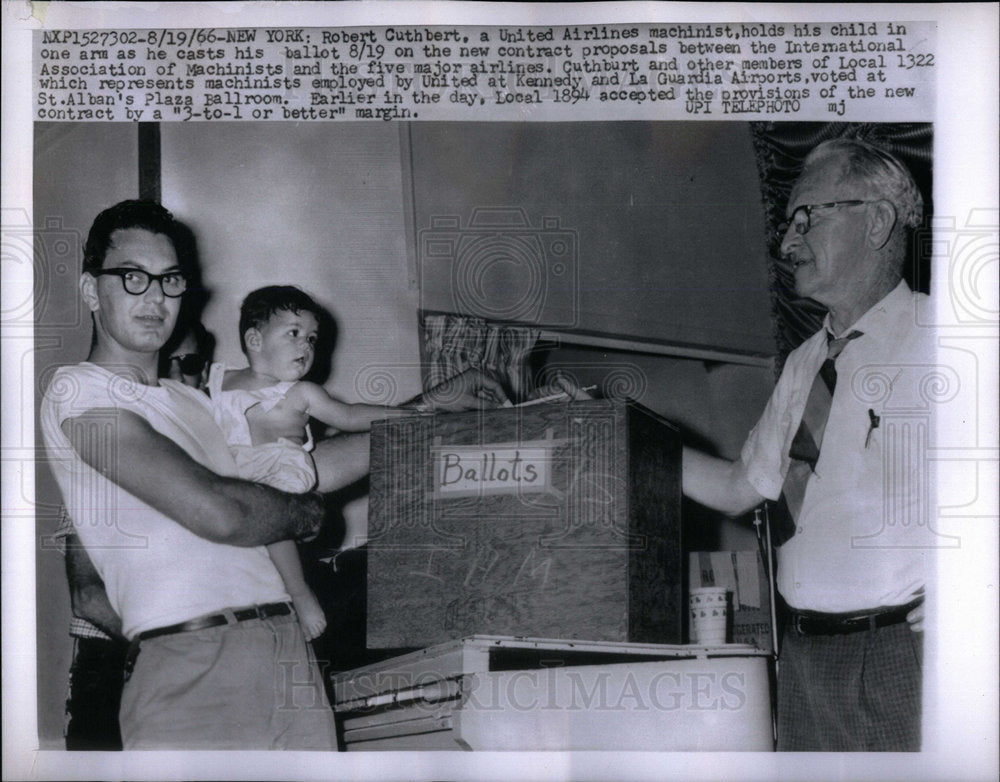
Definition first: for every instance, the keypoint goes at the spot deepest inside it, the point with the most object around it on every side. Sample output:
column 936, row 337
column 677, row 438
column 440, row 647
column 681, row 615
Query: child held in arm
column 265, row 410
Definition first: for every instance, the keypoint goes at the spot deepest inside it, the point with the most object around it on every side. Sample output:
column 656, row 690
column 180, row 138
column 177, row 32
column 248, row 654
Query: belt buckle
column 797, row 624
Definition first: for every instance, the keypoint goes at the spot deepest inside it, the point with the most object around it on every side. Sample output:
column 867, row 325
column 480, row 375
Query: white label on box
column 480, row 470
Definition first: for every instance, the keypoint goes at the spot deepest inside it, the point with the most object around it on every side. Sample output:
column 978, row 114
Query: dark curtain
column 780, row 149
column 454, row 343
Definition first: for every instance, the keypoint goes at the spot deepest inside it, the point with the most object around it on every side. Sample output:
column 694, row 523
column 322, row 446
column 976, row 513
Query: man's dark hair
column 147, row 215
column 260, row 305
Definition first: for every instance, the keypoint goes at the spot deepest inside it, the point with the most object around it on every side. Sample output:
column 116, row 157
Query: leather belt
column 240, row 614
column 817, row 623
column 265, row 611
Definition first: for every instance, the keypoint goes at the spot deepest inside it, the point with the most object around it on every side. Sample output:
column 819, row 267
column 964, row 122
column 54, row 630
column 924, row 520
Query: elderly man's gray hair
column 880, row 172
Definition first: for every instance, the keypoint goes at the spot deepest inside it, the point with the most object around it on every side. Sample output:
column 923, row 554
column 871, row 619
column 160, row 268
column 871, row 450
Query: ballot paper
column 560, row 396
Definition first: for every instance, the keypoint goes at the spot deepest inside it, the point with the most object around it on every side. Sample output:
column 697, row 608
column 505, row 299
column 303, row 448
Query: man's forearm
column 90, row 602
column 717, row 483
column 88, row 597
column 161, row 474
column 267, row 515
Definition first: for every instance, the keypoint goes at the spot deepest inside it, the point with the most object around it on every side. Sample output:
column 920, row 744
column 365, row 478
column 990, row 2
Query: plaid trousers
column 851, row 693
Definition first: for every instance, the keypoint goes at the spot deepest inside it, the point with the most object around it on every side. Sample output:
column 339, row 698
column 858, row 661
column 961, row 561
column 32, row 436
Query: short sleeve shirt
column 156, row 572
column 862, row 536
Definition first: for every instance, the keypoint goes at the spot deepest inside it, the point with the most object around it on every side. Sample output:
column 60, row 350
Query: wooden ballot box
column 559, row 520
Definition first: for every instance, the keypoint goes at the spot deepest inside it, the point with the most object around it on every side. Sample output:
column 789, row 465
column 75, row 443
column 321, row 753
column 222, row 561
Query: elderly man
column 218, row 659
column 850, row 570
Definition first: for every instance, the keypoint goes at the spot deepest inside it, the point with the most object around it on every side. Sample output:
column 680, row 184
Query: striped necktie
column 804, row 450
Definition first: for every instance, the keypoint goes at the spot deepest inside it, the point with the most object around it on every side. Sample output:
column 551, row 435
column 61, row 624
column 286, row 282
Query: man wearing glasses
column 99, row 649
column 217, row 658
column 851, row 567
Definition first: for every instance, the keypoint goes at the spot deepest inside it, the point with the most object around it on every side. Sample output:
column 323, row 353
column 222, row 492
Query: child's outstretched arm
column 466, row 391
column 341, row 415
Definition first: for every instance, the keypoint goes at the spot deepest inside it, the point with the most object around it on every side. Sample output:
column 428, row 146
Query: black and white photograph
column 500, row 391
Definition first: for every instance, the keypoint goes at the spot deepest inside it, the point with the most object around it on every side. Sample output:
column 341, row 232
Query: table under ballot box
column 559, row 520
column 500, row 693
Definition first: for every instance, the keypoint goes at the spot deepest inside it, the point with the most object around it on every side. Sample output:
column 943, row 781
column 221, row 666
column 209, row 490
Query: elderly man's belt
column 817, row 623
column 240, row 615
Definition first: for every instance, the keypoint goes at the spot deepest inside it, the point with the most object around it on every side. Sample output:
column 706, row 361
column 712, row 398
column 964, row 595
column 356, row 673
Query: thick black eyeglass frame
column 123, row 271
column 802, row 228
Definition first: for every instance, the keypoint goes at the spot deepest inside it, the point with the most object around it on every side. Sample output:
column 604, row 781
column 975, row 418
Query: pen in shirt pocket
column 873, row 422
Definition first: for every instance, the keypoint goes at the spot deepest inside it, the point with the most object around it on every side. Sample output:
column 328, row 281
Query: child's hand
column 469, row 390
column 311, row 616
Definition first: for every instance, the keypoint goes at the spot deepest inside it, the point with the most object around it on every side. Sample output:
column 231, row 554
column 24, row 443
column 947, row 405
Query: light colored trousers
column 247, row 685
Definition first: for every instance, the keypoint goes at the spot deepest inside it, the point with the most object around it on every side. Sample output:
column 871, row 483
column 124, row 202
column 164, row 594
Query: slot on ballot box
column 559, row 520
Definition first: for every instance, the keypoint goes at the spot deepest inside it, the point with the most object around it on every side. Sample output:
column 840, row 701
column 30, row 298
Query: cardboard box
column 558, row 520
column 743, row 574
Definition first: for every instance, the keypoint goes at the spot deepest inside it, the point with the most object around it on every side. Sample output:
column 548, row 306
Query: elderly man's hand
column 560, row 385
column 470, row 390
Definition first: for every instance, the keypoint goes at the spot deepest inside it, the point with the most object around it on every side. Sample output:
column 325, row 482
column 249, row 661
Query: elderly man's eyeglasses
column 189, row 363
column 801, row 217
column 137, row 282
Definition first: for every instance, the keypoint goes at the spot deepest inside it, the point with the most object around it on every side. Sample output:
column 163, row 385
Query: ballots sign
column 483, row 470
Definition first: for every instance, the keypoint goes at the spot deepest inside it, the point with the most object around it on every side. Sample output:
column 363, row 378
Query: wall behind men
column 644, row 230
